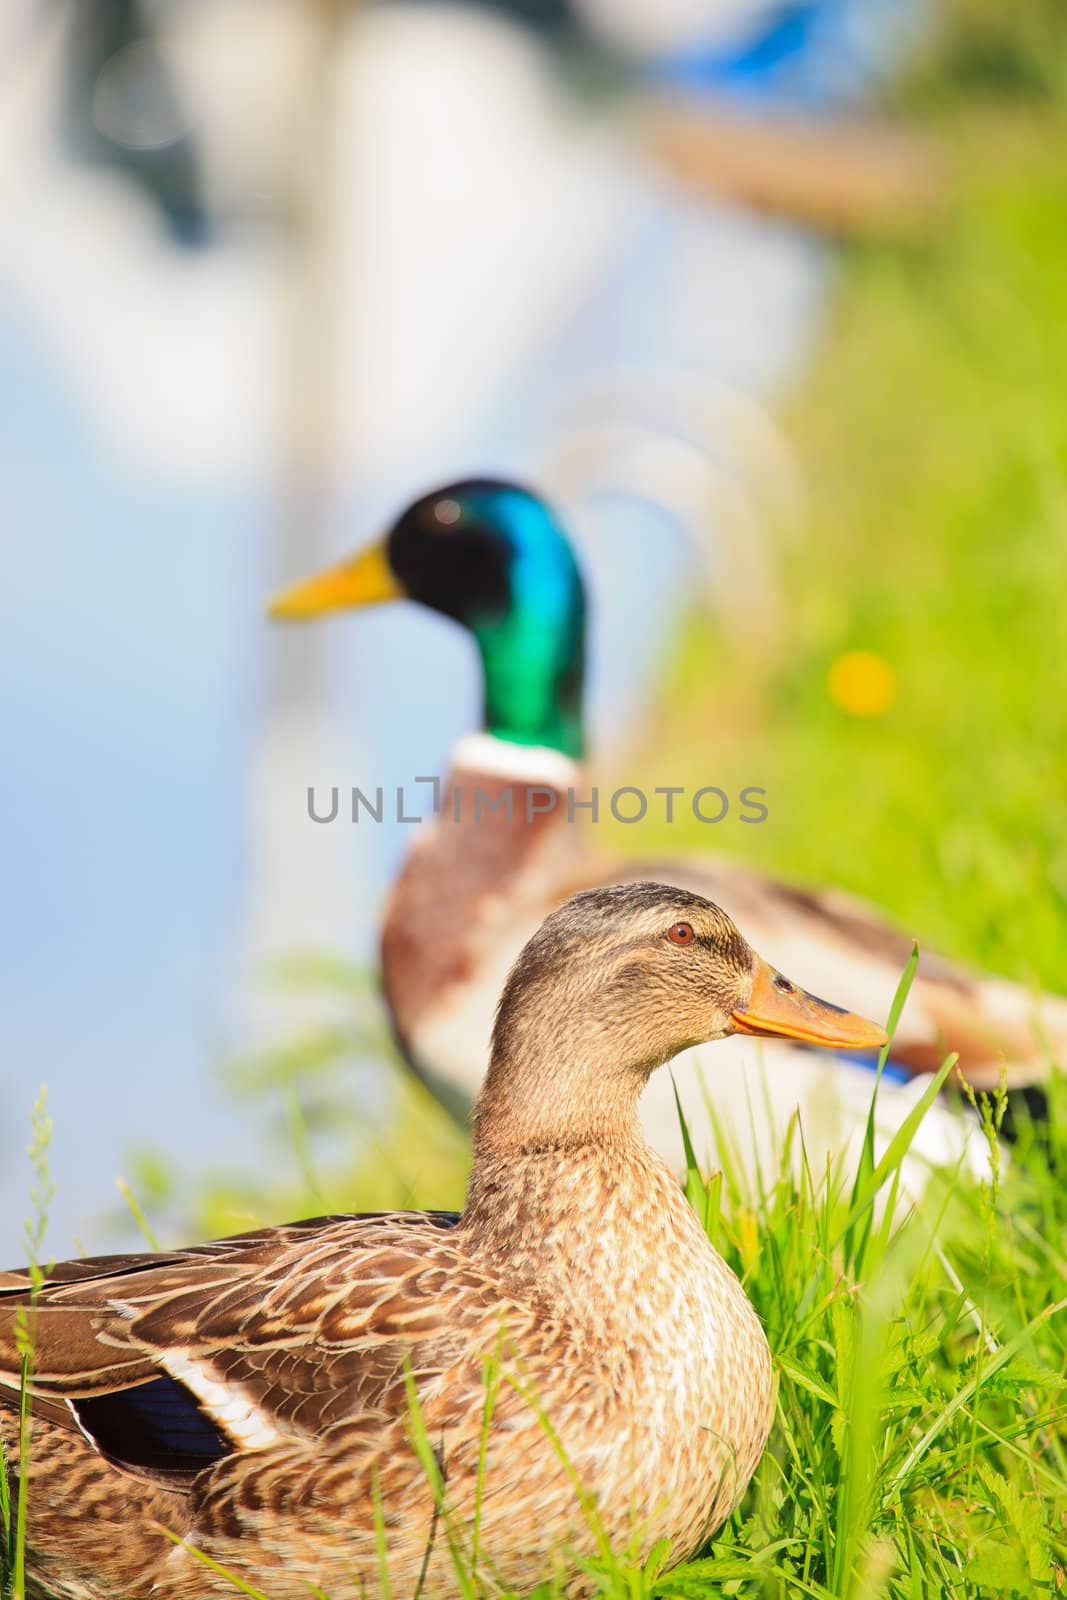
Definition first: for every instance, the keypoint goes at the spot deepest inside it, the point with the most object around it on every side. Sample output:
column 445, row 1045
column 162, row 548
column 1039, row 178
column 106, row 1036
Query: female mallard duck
column 495, row 558
column 570, row 1340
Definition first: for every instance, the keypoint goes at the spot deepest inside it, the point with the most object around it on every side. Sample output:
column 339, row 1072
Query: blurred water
column 155, row 841
column 127, row 659
column 132, row 651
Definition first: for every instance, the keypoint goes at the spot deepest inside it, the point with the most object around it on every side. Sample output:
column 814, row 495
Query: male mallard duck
column 256, row 1396
column 494, row 557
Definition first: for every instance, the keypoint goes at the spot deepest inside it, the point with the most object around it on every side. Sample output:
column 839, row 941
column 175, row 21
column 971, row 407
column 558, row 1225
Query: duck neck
column 503, row 832
column 533, row 682
column 533, row 653
column 566, row 1106
column 563, row 1218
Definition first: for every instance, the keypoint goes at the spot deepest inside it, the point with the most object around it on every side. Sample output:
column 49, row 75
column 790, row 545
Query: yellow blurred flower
column 862, row 683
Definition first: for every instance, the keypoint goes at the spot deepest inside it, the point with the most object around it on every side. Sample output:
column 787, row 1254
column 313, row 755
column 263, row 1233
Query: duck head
column 492, row 556
column 616, row 982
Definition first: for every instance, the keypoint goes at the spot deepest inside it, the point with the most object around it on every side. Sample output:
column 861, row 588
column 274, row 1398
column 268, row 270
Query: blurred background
column 767, row 295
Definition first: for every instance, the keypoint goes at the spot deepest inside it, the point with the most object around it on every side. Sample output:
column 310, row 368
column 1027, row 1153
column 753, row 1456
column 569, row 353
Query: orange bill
column 367, row 579
column 779, row 1009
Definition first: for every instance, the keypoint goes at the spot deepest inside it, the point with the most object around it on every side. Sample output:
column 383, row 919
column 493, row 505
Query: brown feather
column 576, row 1275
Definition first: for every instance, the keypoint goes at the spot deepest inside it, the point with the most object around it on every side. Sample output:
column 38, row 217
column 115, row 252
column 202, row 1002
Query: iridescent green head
column 492, row 556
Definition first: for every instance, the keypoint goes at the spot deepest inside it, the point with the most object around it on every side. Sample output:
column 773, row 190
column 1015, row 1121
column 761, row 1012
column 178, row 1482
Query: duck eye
column 681, row 933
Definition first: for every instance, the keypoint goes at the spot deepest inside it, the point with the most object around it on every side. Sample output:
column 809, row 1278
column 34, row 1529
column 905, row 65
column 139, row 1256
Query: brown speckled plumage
column 630, row 1379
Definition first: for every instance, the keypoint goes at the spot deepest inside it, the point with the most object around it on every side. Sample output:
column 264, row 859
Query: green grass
column 920, row 1441
column 13, row 1495
column 931, row 440
column 920, row 1446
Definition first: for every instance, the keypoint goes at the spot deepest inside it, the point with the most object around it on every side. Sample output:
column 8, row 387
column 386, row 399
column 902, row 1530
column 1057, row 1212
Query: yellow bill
column 779, row 1009
column 365, row 580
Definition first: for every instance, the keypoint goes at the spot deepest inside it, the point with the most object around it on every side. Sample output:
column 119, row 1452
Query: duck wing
column 169, row 1363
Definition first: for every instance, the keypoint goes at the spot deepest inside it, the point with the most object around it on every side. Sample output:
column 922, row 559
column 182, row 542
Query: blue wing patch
column 157, row 1429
